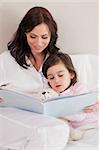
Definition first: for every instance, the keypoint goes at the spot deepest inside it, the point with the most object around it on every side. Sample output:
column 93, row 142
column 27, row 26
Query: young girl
column 61, row 75
column 62, row 78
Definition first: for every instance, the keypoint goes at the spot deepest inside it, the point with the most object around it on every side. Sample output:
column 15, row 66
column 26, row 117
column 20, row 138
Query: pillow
column 86, row 66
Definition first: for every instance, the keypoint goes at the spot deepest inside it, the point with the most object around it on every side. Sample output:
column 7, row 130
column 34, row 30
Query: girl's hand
column 1, row 100
column 92, row 108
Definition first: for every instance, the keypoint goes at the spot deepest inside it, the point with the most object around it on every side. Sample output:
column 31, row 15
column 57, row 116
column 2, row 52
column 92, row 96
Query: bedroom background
column 77, row 22
column 78, row 35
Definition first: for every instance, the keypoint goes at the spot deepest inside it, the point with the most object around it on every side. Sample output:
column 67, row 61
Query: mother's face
column 39, row 38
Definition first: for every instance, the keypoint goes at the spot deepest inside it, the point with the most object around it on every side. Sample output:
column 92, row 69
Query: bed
column 90, row 140
column 17, row 127
column 24, row 130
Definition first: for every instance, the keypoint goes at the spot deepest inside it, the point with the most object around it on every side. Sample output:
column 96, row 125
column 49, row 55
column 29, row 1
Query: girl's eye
column 60, row 75
column 51, row 78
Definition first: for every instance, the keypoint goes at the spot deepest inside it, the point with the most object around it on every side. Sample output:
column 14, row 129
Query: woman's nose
column 39, row 41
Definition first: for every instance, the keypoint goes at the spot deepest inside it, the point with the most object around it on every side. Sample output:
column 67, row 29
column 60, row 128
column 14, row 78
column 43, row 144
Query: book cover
column 57, row 106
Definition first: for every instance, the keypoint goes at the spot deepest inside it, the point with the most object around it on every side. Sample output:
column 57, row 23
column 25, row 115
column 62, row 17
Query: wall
column 77, row 23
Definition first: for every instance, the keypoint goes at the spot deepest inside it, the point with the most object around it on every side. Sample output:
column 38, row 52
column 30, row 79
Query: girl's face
column 39, row 38
column 59, row 77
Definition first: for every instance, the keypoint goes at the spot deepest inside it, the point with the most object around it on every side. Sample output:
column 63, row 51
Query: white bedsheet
column 18, row 128
column 90, row 140
column 35, row 131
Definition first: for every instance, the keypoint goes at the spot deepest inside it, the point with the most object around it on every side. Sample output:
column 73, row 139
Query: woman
column 35, row 38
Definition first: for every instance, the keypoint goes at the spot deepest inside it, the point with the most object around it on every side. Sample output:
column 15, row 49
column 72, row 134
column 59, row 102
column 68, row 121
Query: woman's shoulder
column 5, row 55
column 6, row 59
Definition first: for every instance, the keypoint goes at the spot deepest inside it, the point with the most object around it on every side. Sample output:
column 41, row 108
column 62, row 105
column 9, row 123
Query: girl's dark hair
column 19, row 47
column 54, row 59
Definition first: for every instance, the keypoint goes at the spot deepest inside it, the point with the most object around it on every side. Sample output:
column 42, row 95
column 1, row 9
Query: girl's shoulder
column 79, row 88
column 76, row 89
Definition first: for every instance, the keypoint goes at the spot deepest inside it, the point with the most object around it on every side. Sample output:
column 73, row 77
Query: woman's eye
column 44, row 37
column 32, row 37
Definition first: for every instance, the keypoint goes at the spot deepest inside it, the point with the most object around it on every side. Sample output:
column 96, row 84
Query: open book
column 57, row 106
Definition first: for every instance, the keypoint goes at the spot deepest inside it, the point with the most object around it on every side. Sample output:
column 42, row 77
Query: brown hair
column 19, row 47
column 57, row 58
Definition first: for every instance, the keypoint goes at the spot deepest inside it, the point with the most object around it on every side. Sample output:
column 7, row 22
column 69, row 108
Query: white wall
column 77, row 22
